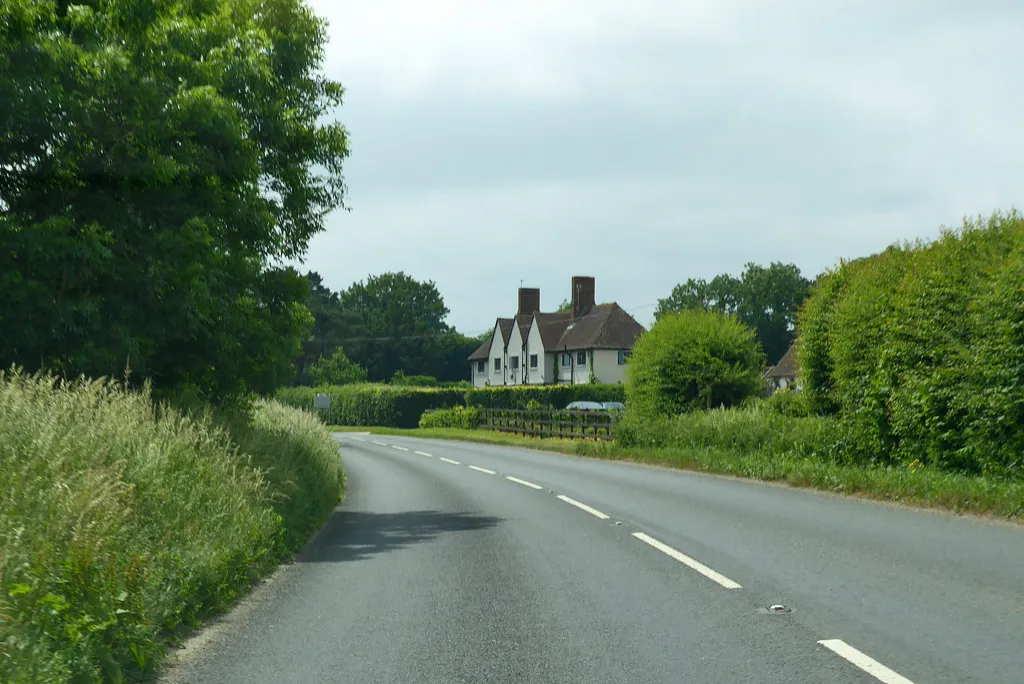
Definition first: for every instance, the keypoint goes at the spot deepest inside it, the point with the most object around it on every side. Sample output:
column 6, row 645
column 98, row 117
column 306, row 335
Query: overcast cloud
column 648, row 142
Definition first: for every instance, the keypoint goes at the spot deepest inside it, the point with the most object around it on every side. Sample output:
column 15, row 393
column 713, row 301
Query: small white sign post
column 322, row 402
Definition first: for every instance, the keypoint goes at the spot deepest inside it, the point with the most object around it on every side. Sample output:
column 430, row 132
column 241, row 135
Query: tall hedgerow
column 918, row 349
column 693, row 360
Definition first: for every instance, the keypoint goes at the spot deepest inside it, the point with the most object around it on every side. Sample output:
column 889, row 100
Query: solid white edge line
column 423, row 453
column 400, row 448
column 523, row 482
column 687, row 561
column 583, row 507
column 864, row 662
column 482, row 470
column 448, row 460
column 379, row 443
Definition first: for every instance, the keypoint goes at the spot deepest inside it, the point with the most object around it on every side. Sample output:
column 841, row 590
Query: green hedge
column 374, row 405
column 553, row 396
column 467, row 418
column 121, row 520
column 920, row 350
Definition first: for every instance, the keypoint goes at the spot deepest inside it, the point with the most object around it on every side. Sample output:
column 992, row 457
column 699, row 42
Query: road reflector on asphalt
column 687, row 561
column 583, row 507
column 864, row 662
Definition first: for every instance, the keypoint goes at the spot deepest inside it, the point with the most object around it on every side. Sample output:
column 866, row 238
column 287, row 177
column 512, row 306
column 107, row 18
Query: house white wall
column 607, row 368
column 535, row 345
column 514, row 349
column 479, row 378
column 575, row 373
column 496, row 377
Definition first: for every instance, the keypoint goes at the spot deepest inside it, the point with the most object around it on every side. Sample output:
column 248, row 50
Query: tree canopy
column 156, row 160
column 766, row 298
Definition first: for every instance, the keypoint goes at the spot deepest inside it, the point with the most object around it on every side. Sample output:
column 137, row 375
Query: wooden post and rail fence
column 550, row 423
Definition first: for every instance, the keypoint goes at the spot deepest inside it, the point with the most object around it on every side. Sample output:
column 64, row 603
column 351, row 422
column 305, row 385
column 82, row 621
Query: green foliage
column 765, row 298
column 918, row 349
column 789, row 402
column 374, row 405
column 333, row 327
column 400, row 379
column 337, row 370
column 121, row 520
column 691, row 360
column 156, row 160
column 538, row 396
column 463, row 417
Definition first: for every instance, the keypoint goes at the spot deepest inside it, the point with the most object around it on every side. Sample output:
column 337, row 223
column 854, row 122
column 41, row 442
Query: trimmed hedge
column 920, row 350
column 374, row 405
column 554, row 396
column 467, row 418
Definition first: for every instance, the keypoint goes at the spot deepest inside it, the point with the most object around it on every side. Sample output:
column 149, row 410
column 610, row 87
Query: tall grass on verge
column 121, row 520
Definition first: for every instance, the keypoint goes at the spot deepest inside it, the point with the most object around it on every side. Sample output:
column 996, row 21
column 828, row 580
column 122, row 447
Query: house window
column 513, row 362
column 566, row 359
column 581, row 358
column 481, row 366
column 497, row 365
column 623, row 355
column 533, row 361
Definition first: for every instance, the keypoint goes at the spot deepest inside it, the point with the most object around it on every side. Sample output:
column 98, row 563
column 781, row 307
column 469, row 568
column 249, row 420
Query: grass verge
column 122, row 521
column 916, row 486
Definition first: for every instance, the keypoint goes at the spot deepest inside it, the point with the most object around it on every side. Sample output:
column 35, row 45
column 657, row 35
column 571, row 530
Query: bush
column 121, row 520
column 691, row 360
column 789, row 402
column 466, row 418
column 374, row 405
column 759, row 428
column 337, row 370
column 918, row 350
column 400, row 379
column 550, row 396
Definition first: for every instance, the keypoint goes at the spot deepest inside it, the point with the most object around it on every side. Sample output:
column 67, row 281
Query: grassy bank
column 753, row 458
column 122, row 521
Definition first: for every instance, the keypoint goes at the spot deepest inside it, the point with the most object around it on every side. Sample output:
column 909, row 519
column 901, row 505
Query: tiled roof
column 523, row 321
column 551, row 327
column 786, row 367
column 483, row 351
column 606, row 326
column 505, row 326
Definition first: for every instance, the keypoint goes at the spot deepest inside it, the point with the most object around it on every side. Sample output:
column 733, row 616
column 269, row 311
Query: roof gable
column 787, row 365
column 551, row 326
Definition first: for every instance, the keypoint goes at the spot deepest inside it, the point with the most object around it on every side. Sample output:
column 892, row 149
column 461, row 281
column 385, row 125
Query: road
column 452, row 562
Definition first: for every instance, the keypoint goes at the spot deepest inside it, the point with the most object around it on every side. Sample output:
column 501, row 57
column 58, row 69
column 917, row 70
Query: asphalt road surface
column 452, row 562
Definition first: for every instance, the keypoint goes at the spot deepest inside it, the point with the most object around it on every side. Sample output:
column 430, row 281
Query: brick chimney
column 582, row 295
column 529, row 300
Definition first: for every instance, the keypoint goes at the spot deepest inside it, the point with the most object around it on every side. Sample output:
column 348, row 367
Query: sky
column 644, row 143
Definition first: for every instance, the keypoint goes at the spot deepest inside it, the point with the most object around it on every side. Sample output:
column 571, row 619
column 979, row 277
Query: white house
column 588, row 343
column 783, row 375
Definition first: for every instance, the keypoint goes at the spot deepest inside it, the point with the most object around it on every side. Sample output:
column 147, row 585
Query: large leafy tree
column 333, row 327
column 155, row 160
column 404, row 322
column 766, row 298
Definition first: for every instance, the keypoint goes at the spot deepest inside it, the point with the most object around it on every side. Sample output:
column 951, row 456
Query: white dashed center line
column 424, row 453
column 448, row 460
column 400, row 448
column 379, row 443
column 523, row 482
column 583, row 507
column 482, row 470
column 687, row 561
column 864, row 662
column 358, row 439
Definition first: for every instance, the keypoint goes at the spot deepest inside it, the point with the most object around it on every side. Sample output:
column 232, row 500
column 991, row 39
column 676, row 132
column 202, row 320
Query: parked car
column 614, row 406
column 585, row 406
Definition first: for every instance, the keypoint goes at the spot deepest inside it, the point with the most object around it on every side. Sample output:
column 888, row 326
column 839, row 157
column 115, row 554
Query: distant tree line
column 388, row 328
